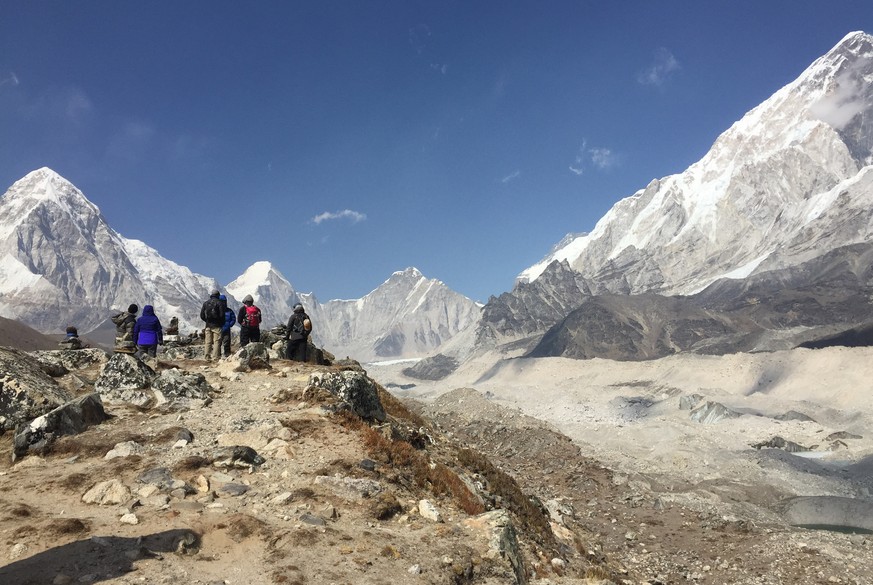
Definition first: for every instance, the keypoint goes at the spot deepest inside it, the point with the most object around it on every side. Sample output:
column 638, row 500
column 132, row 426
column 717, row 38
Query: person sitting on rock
column 148, row 332
column 124, row 324
column 71, row 341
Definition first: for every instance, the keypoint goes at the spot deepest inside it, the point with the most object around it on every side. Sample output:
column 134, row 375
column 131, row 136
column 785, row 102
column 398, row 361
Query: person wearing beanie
column 124, row 324
column 212, row 314
column 249, row 319
column 297, row 334
column 148, row 332
column 71, row 341
column 229, row 322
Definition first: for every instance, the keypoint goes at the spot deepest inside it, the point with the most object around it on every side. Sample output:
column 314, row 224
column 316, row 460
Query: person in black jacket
column 212, row 313
column 297, row 333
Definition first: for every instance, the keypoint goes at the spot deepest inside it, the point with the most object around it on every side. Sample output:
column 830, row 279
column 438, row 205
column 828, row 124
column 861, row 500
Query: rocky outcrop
column 68, row 419
column 26, row 391
column 432, row 368
column 354, row 388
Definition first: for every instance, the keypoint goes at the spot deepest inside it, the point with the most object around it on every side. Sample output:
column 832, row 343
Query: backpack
column 214, row 312
column 253, row 316
column 298, row 326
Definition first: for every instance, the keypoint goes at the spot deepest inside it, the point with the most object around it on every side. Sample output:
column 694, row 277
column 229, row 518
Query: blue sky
column 346, row 140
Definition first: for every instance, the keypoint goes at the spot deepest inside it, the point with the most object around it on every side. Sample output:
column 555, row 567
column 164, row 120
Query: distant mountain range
column 61, row 263
column 765, row 243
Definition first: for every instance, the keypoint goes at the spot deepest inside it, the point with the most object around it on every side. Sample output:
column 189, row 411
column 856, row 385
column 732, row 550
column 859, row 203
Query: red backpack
column 253, row 316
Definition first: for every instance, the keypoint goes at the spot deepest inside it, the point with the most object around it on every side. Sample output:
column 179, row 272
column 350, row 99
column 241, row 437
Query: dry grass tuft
column 504, row 485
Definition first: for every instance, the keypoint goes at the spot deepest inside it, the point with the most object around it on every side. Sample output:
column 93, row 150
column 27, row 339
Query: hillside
column 18, row 335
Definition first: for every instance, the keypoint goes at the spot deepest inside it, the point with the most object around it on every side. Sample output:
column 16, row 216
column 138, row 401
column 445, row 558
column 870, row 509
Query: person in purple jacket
column 148, row 332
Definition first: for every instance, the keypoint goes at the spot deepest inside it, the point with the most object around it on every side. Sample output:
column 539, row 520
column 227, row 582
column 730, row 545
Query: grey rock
column 177, row 390
column 126, row 379
column 68, row 419
column 238, row 456
column 253, row 356
column 780, row 443
column 435, row 367
column 713, row 412
column 69, row 360
column 689, row 402
column 26, row 391
column 355, row 388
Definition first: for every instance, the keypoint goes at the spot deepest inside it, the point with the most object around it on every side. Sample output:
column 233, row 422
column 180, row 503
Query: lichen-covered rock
column 125, row 378
column 181, row 389
column 60, row 362
column 26, row 391
column 353, row 387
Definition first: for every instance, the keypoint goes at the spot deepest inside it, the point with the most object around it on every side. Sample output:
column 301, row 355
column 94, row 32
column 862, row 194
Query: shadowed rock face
column 433, row 368
column 822, row 302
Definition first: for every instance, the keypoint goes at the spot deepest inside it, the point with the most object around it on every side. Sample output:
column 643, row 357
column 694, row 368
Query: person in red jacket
column 249, row 319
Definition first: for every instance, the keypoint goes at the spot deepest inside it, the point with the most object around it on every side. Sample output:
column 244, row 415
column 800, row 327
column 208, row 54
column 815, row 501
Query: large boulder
column 181, row 390
column 354, row 388
column 125, row 378
column 26, row 391
column 68, row 419
column 61, row 361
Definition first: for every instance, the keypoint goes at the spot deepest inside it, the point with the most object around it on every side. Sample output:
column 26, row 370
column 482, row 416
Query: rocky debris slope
column 292, row 473
column 658, row 528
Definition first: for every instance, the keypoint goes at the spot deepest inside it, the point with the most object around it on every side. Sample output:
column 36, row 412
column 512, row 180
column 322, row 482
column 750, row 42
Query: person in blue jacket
column 148, row 332
column 229, row 322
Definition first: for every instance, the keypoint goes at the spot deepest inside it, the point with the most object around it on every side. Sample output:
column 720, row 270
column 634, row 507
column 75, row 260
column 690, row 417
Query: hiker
column 148, row 332
column 212, row 313
column 249, row 320
column 71, row 341
column 299, row 328
column 229, row 322
column 124, row 324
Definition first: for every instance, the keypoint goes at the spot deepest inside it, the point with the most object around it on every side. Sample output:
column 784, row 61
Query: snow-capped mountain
column 408, row 315
column 271, row 291
column 61, row 263
column 791, row 180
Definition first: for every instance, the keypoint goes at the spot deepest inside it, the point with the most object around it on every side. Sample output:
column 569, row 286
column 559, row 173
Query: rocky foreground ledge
column 259, row 470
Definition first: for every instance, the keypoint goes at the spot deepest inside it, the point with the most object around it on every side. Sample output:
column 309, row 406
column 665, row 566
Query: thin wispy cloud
column 602, row 158
column 348, row 214
column 511, row 176
column 11, row 80
column 598, row 157
column 664, row 66
column 419, row 36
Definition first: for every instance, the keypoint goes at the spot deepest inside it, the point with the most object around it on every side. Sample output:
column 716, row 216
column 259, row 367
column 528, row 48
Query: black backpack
column 214, row 311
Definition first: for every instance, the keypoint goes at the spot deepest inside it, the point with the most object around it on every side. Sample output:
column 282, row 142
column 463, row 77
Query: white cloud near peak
column 597, row 156
column 353, row 216
column 658, row 73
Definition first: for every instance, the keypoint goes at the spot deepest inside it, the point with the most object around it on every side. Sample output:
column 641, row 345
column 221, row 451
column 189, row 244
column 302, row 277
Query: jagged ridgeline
column 764, row 243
